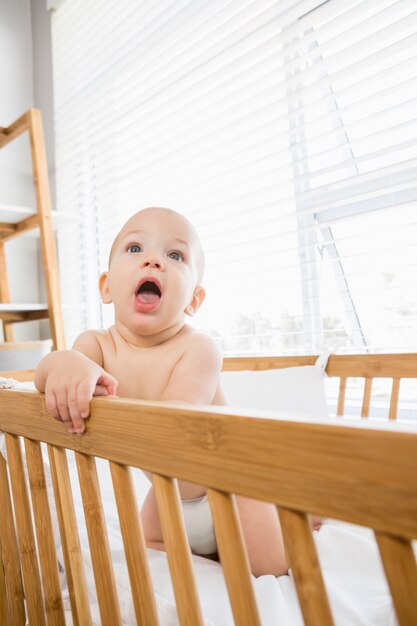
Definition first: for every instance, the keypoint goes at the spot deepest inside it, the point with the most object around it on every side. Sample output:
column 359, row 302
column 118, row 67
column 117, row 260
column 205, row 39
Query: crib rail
column 344, row 367
column 342, row 473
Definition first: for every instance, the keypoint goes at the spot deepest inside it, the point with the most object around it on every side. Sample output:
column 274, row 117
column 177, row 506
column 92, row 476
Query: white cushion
column 298, row 389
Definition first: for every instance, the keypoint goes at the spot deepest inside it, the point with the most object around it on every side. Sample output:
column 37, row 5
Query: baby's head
column 158, row 217
column 156, row 267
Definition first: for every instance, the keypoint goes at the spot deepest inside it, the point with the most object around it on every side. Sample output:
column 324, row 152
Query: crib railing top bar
column 399, row 365
column 29, row 400
column 402, row 365
column 363, row 473
column 266, row 362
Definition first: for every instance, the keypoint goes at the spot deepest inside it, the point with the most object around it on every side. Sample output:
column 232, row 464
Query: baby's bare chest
column 143, row 374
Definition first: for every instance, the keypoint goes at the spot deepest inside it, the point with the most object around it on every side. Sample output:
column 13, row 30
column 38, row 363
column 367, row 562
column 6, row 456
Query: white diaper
column 199, row 525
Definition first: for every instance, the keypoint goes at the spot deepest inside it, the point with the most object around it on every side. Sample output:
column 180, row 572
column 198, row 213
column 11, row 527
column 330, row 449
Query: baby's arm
column 196, row 376
column 70, row 378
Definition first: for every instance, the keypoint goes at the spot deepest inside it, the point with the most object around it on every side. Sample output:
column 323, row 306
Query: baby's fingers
column 110, row 383
column 85, row 392
column 63, row 408
column 57, row 406
column 100, row 390
column 77, row 423
column 51, row 405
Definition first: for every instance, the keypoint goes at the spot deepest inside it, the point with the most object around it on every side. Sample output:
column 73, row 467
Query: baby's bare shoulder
column 93, row 344
column 91, row 337
column 197, row 341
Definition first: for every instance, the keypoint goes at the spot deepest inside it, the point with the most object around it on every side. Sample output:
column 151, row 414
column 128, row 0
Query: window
column 285, row 130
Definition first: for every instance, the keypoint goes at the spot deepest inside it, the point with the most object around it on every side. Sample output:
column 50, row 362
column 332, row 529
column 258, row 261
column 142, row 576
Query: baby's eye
column 177, row 256
column 134, row 248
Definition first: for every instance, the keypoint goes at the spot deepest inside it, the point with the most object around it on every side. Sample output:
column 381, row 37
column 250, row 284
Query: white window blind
column 285, row 130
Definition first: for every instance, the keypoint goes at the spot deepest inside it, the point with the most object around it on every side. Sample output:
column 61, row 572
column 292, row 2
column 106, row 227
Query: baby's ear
column 103, row 285
column 196, row 301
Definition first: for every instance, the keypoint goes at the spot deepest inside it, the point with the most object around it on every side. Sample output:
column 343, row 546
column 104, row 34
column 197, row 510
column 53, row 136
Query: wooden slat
column 28, row 223
column 341, row 397
column 99, row 544
column 178, row 551
column 233, row 558
column 27, row 549
column 14, row 317
column 134, row 544
column 13, row 131
column 47, row 239
column 230, row 450
column 4, row 619
column 46, row 542
column 395, row 393
column 24, row 226
column 305, row 566
column 10, row 552
column 6, row 228
column 401, row 571
column 64, row 545
column 69, row 535
column 366, row 402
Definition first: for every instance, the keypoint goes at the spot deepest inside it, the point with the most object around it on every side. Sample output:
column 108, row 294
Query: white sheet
column 357, row 591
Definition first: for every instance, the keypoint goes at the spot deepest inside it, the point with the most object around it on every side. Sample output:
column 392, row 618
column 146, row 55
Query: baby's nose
column 153, row 262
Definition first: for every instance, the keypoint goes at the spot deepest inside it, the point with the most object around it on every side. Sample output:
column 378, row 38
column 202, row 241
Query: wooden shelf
column 22, row 220
column 23, row 312
column 25, row 345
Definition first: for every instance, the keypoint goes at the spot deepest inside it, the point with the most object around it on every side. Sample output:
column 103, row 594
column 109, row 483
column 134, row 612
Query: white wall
column 43, row 100
column 25, row 77
column 15, row 164
column 42, row 80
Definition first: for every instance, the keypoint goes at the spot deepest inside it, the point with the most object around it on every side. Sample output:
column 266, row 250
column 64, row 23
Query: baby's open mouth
column 148, row 292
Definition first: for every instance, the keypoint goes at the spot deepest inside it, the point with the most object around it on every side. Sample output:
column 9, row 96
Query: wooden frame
column 31, row 122
column 231, row 453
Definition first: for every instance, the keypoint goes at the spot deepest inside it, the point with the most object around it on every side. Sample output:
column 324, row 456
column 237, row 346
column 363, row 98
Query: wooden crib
column 362, row 471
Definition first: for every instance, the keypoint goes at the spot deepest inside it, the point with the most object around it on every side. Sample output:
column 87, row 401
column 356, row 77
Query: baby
column 154, row 280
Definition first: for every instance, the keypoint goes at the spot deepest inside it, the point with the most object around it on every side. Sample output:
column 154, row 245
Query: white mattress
column 357, row 591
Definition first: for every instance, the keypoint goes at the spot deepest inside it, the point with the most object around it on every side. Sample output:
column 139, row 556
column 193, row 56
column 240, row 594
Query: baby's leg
column 316, row 521
column 150, row 522
column 263, row 537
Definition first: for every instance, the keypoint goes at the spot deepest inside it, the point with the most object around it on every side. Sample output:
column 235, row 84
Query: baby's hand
column 71, row 380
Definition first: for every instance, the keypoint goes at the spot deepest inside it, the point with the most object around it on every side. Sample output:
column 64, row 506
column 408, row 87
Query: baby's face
column 154, row 271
